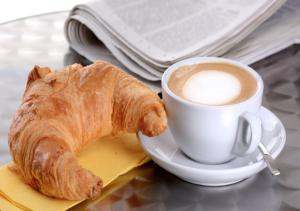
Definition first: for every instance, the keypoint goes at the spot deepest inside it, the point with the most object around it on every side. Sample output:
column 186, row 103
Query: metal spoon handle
column 269, row 160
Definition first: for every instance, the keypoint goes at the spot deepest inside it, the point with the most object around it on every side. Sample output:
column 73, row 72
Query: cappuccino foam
column 212, row 83
column 212, row 88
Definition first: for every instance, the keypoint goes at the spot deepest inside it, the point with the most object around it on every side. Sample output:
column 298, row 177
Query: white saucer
column 166, row 154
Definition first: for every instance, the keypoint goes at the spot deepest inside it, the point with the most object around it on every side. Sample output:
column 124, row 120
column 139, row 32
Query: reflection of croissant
column 66, row 110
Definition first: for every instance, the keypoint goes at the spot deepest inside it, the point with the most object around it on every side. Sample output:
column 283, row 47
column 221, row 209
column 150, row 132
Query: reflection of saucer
column 165, row 153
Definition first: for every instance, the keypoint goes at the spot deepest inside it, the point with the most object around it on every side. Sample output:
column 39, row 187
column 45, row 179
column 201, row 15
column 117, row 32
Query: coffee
column 212, row 83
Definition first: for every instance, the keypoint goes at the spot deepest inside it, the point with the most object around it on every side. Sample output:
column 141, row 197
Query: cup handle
column 249, row 134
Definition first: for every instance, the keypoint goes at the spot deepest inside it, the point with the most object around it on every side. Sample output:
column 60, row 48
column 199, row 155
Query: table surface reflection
column 40, row 40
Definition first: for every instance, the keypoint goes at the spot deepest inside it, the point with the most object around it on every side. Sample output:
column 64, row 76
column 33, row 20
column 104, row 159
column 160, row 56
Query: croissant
column 64, row 111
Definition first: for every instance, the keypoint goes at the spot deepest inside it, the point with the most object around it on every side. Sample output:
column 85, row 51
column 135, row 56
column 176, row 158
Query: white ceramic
column 164, row 151
column 206, row 133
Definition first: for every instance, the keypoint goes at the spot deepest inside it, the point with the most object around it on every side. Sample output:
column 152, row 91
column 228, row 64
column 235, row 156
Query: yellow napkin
column 144, row 171
column 6, row 205
column 108, row 158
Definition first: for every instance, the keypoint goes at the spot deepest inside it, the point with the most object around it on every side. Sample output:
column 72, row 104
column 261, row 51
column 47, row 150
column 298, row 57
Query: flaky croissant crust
column 64, row 111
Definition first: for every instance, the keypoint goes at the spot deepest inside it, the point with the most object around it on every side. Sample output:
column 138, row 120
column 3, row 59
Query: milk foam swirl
column 212, row 83
column 212, row 87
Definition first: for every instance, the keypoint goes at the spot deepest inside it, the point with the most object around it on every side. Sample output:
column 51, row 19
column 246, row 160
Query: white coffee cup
column 213, row 134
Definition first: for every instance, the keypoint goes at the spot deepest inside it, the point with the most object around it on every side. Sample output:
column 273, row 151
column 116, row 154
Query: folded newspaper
column 144, row 37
